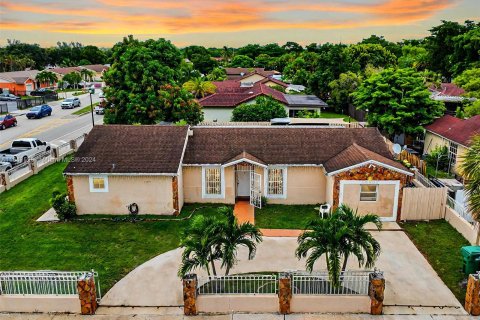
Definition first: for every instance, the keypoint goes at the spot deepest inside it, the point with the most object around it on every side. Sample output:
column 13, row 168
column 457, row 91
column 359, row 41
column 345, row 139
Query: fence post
column 87, row 293
column 73, row 145
column 284, row 292
column 190, row 295
column 472, row 297
column 5, row 180
column 376, row 289
column 33, row 166
column 55, row 152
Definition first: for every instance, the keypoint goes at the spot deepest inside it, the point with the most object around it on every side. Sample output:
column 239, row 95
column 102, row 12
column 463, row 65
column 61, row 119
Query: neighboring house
column 99, row 69
column 239, row 73
column 162, row 167
column 61, row 72
column 454, row 133
column 299, row 102
column 450, row 94
column 292, row 88
column 19, row 82
column 229, row 94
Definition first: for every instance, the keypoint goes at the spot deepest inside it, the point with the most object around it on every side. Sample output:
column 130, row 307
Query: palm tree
column 470, row 169
column 87, row 75
column 232, row 235
column 337, row 237
column 199, row 241
column 46, row 77
column 73, row 78
column 199, row 88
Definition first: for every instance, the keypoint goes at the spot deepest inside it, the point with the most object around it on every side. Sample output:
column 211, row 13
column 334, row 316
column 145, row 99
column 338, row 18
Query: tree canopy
column 397, row 101
column 264, row 109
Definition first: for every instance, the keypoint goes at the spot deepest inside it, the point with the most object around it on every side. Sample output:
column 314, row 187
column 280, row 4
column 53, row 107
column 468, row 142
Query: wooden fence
column 414, row 161
column 423, row 203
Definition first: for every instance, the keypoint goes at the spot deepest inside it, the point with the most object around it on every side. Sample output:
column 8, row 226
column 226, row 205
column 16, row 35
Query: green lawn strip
column 111, row 248
column 275, row 216
column 432, row 172
column 440, row 243
column 78, row 93
column 85, row 110
column 333, row 115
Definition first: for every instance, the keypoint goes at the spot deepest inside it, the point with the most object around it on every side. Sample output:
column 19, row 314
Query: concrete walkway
column 411, row 283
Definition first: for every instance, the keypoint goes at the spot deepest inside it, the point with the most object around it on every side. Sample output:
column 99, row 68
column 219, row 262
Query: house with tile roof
column 455, row 134
column 19, row 82
column 240, row 73
column 160, row 168
column 229, row 94
column 450, row 94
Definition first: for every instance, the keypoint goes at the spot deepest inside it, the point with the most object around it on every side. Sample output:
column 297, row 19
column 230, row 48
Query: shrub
column 264, row 109
column 439, row 156
column 64, row 208
column 308, row 114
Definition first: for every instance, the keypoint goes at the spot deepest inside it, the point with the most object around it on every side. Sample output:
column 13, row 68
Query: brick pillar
column 472, row 298
column 70, row 191
column 190, row 295
column 33, row 166
column 55, row 153
column 5, row 180
column 176, row 205
column 285, row 293
column 376, row 290
column 87, row 294
column 73, row 145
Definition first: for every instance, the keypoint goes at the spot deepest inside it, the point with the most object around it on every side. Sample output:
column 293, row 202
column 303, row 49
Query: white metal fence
column 461, row 209
column 64, row 148
column 318, row 283
column 59, row 283
column 424, row 180
column 43, row 158
column 19, row 171
column 238, row 284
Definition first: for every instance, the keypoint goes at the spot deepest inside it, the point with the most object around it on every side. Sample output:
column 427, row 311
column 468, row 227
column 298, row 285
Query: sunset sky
column 225, row 22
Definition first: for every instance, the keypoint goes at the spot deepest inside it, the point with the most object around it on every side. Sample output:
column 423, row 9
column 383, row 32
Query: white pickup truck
column 23, row 150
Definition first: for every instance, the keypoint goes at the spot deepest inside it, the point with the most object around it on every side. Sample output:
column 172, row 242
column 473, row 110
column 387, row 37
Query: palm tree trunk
column 227, row 271
column 213, row 263
column 344, row 267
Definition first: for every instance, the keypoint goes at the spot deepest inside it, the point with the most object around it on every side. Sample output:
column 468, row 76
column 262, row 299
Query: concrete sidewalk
column 25, row 316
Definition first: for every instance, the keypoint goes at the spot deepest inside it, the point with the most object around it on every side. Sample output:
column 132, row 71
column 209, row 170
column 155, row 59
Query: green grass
column 333, row 115
column 431, row 172
column 275, row 216
column 85, row 110
column 111, row 248
column 440, row 243
column 78, row 93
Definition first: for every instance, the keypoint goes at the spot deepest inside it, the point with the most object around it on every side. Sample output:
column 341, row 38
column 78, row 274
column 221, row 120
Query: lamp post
column 91, row 90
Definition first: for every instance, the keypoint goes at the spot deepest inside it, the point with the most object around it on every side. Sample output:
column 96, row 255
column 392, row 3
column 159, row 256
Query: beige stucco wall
column 40, row 303
column 382, row 207
column 305, row 185
column 330, row 181
column 153, row 194
column 218, row 114
column 253, row 78
column 192, row 186
column 263, row 303
column 181, row 199
column 330, row 304
column 462, row 226
column 432, row 141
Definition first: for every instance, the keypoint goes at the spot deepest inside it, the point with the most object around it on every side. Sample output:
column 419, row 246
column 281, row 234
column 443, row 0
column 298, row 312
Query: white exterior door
column 243, row 183
column 255, row 190
column 28, row 87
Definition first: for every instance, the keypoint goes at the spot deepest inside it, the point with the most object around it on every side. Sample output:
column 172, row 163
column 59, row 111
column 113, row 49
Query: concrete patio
column 410, row 280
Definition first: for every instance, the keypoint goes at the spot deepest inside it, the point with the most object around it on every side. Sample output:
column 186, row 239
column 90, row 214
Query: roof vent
column 190, row 132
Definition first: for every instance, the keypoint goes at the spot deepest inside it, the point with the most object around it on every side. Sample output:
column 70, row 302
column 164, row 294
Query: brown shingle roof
column 131, row 149
column 455, row 129
column 356, row 154
column 284, row 145
column 245, row 155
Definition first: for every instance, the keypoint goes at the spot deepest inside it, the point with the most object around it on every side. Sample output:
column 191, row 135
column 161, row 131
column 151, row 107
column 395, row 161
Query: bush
column 64, row 208
column 438, row 155
column 264, row 109
column 307, row 114
column 473, row 109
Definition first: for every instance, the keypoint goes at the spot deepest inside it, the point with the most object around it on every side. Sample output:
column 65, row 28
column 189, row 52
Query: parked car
column 7, row 121
column 39, row 112
column 101, row 95
column 71, row 103
column 8, row 97
column 99, row 109
column 22, row 150
column 5, row 166
column 41, row 92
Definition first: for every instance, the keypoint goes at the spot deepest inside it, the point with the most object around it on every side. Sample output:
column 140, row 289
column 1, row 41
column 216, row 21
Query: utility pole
column 91, row 91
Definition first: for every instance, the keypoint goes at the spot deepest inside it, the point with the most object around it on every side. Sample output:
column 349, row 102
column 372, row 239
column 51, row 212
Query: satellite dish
column 397, row 148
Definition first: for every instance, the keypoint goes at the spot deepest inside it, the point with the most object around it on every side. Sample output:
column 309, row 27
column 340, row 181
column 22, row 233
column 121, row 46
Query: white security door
column 255, row 190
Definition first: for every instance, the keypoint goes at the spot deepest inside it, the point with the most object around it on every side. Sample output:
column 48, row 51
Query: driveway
column 410, row 280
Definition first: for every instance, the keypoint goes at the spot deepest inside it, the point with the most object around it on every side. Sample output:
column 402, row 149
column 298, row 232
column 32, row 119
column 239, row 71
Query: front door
column 243, row 184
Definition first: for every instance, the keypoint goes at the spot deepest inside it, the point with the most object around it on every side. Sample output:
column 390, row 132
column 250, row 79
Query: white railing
column 424, row 180
column 238, row 284
column 19, row 171
column 461, row 210
column 59, row 283
column 318, row 283
column 43, row 158
column 64, row 149
column 80, row 140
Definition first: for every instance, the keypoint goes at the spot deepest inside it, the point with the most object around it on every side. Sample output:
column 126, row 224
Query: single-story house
column 239, row 73
column 99, row 69
column 454, row 133
column 61, row 72
column 450, row 94
column 162, row 167
column 218, row 107
column 19, row 82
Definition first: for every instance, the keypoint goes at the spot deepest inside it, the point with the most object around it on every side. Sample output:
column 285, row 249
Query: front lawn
column 432, row 172
column 276, row 216
column 111, row 248
column 85, row 110
column 333, row 115
column 440, row 243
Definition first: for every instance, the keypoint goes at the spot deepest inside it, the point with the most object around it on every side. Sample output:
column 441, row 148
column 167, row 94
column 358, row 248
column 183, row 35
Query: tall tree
column 242, row 61
column 73, row 78
column 46, row 77
column 470, row 169
column 342, row 89
column 469, row 80
column 199, row 87
column 362, row 55
column 397, row 101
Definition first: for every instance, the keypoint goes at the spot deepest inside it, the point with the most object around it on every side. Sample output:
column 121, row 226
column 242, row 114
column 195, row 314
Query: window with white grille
column 452, row 154
column 212, row 181
column 276, row 182
column 368, row 192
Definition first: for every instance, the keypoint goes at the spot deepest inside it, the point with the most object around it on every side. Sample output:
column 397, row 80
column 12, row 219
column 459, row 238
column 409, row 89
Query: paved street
column 56, row 129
